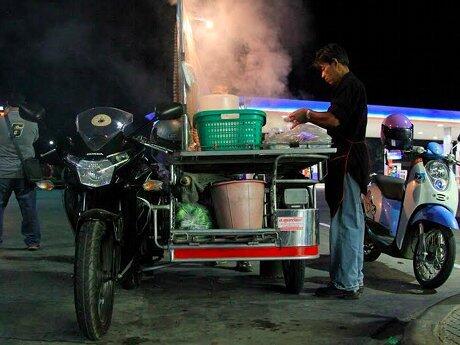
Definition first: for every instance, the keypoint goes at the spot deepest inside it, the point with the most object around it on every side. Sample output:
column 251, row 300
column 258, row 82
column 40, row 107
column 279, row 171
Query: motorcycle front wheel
column 434, row 257
column 93, row 279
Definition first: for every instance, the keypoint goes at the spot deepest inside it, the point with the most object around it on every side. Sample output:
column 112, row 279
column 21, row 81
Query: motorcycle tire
column 371, row 252
column 93, row 279
column 294, row 275
column 447, row 265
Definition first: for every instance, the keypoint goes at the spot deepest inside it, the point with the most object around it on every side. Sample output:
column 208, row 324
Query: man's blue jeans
column 26, row 197
column 346, row 239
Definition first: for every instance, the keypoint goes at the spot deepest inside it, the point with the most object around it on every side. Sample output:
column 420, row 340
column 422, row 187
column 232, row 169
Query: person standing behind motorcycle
column 348, row 170
column 11, row 174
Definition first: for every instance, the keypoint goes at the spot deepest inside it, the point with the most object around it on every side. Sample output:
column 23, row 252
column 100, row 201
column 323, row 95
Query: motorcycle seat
column 391, row 187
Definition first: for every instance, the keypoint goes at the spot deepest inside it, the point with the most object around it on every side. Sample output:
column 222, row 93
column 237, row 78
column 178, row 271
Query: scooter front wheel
column 434, row 257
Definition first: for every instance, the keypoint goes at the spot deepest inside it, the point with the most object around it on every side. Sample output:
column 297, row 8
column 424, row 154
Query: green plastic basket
column 230, row 130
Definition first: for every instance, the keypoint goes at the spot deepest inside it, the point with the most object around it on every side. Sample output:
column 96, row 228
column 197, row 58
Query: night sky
column 404, row 51
column 71, row 55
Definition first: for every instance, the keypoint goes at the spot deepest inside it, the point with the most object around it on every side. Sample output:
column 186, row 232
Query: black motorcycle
column 108, row 169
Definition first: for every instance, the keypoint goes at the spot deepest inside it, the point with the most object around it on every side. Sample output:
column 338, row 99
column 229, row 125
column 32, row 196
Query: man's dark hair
column 15, row 99
column 329, row 52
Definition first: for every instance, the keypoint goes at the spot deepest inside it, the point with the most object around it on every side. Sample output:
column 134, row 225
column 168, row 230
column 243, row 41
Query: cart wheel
column 294, row 275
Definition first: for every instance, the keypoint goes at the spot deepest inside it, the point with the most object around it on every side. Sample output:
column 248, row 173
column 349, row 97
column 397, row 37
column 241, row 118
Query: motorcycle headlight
column 439, row 174
column 93, row 173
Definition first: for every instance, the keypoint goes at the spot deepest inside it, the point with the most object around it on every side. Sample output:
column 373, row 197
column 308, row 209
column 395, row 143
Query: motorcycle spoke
column 431, row 255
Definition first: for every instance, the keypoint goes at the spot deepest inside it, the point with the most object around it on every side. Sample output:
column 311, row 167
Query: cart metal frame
column 285, row 235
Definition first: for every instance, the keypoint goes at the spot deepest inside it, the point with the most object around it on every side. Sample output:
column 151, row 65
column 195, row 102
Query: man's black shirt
column 349, row 106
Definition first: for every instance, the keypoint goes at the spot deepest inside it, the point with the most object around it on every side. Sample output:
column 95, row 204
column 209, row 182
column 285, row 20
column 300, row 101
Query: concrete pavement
column 194, row 304
column 439, row 324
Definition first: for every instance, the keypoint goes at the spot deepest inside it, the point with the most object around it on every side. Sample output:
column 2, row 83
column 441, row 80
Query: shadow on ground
column 377, row 276
column 38, row 307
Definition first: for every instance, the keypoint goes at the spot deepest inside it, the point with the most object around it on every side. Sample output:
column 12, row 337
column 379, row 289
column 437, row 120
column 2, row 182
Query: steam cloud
column 250, row 46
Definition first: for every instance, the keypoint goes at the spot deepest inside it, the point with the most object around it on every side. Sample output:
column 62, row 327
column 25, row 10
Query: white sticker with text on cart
column 291, row 223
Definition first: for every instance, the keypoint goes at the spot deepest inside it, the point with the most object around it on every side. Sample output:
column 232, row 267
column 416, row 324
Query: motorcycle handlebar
column 415, row 149
column 141, row 140
column 419, row 150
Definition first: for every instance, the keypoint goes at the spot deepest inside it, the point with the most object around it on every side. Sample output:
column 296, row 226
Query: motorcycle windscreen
column 98, row 126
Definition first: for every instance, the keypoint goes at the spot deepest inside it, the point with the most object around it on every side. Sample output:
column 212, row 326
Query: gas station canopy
column 429, row 124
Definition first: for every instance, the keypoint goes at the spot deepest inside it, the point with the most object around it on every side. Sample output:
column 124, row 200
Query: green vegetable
column 192, row 216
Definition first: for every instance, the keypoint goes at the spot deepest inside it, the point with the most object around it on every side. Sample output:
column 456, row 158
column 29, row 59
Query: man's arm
column 322, row 119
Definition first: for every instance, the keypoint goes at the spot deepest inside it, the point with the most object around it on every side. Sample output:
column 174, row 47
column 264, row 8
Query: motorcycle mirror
column 458, row 138
column 169, row 111
column 32, row 112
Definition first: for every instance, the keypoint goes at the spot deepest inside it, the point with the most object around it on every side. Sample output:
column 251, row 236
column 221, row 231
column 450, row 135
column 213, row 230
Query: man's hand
column 298, row 117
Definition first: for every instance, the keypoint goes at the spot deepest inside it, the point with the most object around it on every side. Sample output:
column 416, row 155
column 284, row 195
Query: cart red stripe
column 227, row 253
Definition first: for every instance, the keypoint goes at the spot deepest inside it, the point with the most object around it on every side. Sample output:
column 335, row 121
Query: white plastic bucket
column 218, row 102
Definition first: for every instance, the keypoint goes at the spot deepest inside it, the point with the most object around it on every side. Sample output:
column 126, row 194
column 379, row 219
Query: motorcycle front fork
column 422, row 248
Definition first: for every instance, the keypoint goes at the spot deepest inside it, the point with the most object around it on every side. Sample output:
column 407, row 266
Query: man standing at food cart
column 348, row 170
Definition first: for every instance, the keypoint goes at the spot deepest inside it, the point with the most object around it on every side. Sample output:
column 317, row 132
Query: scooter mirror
column 32, row 112
column 435, row 149
column 169, row 111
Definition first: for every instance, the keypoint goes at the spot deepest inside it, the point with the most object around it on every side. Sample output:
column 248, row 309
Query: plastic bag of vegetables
column 193, row 216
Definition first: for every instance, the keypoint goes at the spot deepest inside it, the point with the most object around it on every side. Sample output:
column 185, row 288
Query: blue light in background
column 375, row 111
column 150, row 116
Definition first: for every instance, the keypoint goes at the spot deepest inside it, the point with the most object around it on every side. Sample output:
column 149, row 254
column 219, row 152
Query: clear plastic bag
column 302, row 134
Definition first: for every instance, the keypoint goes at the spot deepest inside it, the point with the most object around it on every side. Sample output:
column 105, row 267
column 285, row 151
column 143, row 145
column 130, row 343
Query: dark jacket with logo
column 26, row 133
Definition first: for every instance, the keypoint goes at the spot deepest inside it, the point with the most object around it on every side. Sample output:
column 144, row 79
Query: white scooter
column 415, row 219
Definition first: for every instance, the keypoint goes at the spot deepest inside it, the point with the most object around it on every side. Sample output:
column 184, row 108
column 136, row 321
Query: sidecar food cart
column 289, row 224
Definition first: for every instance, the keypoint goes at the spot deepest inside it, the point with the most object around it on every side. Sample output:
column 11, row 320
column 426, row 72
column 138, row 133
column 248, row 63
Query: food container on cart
column 239, row 204
column 218, row 101
column 230, row 130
